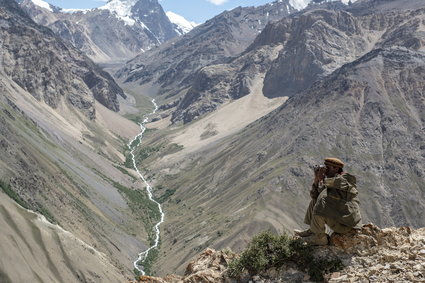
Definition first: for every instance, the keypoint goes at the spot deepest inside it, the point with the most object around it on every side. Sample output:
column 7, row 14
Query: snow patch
column 71, row 11
column 42, row 4
column 184, row 26
column 301, row 4
column 122, row 9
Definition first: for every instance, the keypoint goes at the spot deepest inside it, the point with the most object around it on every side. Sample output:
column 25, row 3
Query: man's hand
column 319, row 175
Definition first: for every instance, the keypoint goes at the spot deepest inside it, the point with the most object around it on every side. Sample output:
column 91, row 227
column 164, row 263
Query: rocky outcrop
column 380, row 255
column 50, row 69
column 371, row 254
column 210, row 266
column 150, row 13
column 105, row 34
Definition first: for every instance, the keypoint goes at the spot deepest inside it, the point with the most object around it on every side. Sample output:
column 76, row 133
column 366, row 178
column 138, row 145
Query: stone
column 335, row 275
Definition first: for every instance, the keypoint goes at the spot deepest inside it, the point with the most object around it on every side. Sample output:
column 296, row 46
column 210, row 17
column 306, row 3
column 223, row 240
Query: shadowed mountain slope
column 50, row 69
column 30, row 243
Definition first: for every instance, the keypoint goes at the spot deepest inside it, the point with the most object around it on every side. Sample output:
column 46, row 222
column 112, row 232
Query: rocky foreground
column 369, row 255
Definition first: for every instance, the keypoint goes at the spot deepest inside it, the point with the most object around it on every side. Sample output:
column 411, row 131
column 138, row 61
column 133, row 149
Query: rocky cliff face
column 115, row 32
column 50, row 69
column 319, row 41
column 214, row 85
column 173, row 66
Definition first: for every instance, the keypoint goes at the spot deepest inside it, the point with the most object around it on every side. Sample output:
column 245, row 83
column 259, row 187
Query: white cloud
column 217, row 2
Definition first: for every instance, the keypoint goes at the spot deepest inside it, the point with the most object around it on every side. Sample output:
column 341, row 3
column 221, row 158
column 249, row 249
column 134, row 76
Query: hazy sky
column 193, row 10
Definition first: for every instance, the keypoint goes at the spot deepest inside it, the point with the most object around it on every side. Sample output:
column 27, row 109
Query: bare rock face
column 51, row 70
column 318, row 42
column 381, row 255
column 209, row 266
column 102, row 34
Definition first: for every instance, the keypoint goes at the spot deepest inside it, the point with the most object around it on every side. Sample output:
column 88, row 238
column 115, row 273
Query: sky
column 197, row 11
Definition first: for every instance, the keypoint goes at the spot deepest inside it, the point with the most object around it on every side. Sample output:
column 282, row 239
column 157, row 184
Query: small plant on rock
column 267, row 250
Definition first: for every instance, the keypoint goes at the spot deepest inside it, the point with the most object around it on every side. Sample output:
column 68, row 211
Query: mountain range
column 175, row 69
column 112, row 33
column 249, row 102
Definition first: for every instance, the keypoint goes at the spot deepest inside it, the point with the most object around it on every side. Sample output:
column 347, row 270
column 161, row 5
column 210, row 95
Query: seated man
column 334, row 202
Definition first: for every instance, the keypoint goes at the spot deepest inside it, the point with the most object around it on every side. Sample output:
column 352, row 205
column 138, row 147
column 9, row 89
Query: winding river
column 143, row 255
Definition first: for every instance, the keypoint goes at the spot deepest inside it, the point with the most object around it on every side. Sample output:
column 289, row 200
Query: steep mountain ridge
column 170, row 69
column 311, row 45
column 115, row 32
column 48, row 159
column 181, row 25
column 326, row 40
column 51, row 70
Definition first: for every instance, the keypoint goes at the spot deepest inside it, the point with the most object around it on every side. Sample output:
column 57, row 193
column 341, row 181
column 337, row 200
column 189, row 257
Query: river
column 143, row 255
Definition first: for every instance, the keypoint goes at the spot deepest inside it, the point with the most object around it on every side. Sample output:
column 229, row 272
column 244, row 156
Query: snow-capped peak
column 122, row 9
column 301, row 4
column 182, row 25
column 42, row 4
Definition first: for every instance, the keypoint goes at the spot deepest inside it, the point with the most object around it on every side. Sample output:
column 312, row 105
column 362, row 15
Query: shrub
column 267, row 250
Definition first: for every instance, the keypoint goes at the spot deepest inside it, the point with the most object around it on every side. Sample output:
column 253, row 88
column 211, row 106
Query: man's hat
column 331, row 161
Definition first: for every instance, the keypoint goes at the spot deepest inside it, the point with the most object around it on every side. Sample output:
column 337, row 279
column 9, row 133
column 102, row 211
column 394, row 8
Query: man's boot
column 303, row 233
column 317, row 240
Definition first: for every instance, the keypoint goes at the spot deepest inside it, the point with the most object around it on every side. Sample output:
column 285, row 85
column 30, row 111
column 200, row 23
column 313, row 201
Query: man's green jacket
column 338, row 200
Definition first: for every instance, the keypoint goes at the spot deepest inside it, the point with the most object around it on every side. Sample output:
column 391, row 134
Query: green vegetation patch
column 124, row 171
column 12, row 194
column 6, row 188
column 148, row 212
column 166, row 196
column 148, row 263
column 140, row 203
column 145, row 152
column 140, row 155
column 267, row 250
